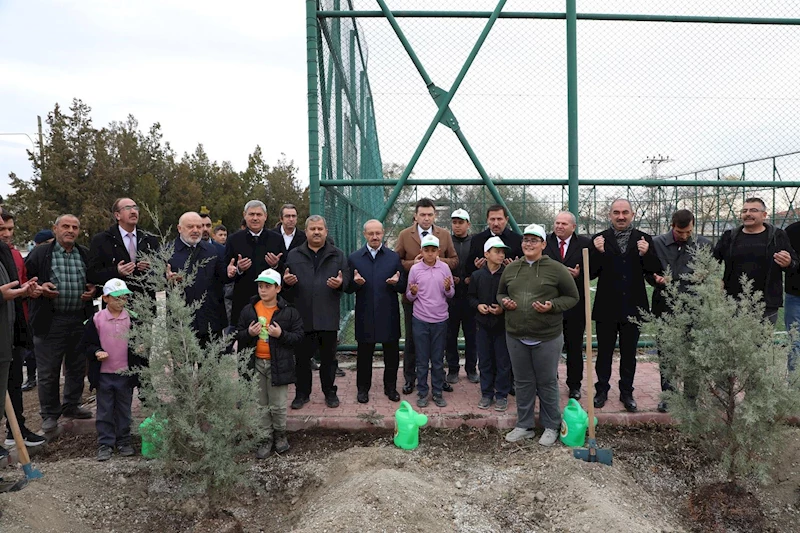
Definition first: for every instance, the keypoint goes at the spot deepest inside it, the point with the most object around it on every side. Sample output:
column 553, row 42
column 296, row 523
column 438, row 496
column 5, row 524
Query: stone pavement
column 462, row 405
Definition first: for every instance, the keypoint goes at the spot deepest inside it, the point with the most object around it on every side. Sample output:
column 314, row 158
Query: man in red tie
column 566, row 246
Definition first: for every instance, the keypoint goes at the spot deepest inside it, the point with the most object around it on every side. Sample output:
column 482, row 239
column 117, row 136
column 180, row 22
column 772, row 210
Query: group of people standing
column 518, row 298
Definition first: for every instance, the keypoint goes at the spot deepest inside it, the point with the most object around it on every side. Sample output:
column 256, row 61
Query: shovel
column 24, row 458
column 593, row 454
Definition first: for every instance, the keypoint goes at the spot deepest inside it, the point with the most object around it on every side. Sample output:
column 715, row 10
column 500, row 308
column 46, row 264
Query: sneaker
column 446, row 387
column 439, row 401
column 485, row 402
column 340, row 373
column 452, row 376
column 125, row 450
column 501, row 404
column 422, row 401
column 331, row 400
column 264, row 449
column 299, row 402
column 549, row 437
column 314, row 364
column 31, row 439
column 281, row 442
column 104, row 453
column 28, row 385
column 76, row 412
column 517, row 434
column 473, row 377
column 49, row 424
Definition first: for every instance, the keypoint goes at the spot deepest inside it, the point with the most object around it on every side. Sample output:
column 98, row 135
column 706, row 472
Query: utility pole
column 41, row 144
column 655, row 162
column 655, row 202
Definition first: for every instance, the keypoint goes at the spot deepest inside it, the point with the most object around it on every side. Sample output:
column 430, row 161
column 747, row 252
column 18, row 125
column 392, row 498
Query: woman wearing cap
column 534, row 290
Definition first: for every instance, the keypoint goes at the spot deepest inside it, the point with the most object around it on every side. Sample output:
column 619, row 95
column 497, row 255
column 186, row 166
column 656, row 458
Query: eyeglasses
column 752, row 210
column 531, row 240
column 129, row 208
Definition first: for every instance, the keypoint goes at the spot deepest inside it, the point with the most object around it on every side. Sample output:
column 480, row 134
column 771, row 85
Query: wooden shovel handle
column 11, row 416
column 587, row 307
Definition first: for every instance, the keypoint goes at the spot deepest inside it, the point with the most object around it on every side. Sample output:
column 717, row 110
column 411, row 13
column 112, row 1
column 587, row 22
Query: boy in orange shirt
column 273, row 327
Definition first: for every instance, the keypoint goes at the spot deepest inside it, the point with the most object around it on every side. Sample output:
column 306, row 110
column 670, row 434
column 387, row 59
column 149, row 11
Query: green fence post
column 313, row 104
column 572, row 105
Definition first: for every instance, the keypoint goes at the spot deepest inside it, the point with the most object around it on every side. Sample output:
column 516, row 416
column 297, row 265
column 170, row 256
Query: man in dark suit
column 378, row 279
column 205, row 217
column 192, row 255
column 249, row 252
column 497, row 222
column 287, row 228
column 620, row 257
column 117, row 251
column 566, row 247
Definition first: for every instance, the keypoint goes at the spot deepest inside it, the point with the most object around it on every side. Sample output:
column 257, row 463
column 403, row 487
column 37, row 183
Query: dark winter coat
column 777, row 241
column 211, row 274
column 483, row 290
column 108, row 249
column 255, row 248
column 377, row 308
column 22, row 336
column 281, row 349
column 40, row 310
column 463, row 247
column 298, row 239
column 675, row 256
column 510, row 238
column 90, row 345
column 574, row 256
column 620, row 287
column 318, row 304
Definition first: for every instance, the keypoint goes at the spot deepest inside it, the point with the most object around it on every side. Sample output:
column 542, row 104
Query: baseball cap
column 493, row 242
column 429, row 240
column 269, row 276
column 44, row 235
column 115, row 287
column 460, row 213
column 535, row 229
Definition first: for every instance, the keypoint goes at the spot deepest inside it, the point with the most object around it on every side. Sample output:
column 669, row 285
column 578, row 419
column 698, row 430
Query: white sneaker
column 549, row 437
column 518, row 434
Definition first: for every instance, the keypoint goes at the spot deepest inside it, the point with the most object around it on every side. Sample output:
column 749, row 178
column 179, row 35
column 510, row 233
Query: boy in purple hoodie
column 430, row 284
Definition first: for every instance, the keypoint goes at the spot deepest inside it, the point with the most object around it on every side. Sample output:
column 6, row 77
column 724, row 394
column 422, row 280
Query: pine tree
column 737, row 393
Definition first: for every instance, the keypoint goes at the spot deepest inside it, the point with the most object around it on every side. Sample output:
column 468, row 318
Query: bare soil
column 457, row 480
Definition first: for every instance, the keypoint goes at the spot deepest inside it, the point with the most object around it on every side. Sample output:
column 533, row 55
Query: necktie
column 131, row 247
column 424, row 233
column 561, row 249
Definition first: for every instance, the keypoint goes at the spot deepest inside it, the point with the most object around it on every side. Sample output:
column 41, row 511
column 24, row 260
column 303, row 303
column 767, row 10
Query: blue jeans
column 493, row 362
column 791, row 316
column 114, row 398
column 429, row 341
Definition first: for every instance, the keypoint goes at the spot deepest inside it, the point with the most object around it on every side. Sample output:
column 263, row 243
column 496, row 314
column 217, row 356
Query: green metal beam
column 561, row 16
column 444, row 104
column 313, row 105
column 594, row 182
column 572, row 107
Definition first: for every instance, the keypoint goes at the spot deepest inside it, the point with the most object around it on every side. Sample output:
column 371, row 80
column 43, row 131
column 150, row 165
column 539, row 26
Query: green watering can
column 574, row 423
column 406, row 426
column 150, row 430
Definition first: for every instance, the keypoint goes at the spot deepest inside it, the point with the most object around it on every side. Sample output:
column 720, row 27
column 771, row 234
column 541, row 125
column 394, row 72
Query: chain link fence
column 674, row 111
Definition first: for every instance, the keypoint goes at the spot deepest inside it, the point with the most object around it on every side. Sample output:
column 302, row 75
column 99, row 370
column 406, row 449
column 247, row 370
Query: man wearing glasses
column 761, row 252
column 117, row 252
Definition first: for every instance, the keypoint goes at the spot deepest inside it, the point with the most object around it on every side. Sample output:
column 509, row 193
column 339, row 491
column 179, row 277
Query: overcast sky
column 232, row 75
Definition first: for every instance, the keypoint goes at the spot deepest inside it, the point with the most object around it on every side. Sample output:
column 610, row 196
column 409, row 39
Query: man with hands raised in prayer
column 378, row 279
column 316, row 275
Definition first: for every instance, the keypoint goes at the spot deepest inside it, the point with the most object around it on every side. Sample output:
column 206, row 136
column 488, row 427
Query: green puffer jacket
column 544, row 280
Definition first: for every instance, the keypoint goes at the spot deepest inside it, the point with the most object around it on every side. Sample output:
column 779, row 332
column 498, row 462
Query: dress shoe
column 362, row 396
column 332, row 400
column 662, row 407
column 575, row 393
column 314, row 364
column 76, row 412
column 49, row 424
column 340, row 373
column 600, row 399
column 408, row 388
column 299, row 402
column 392, row 395
column 446, row 387
column 629, row 403
column 473, row 377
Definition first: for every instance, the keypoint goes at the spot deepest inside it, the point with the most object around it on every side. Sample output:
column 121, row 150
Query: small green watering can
column 406, row 426
column 574, row 423
column 150, row 430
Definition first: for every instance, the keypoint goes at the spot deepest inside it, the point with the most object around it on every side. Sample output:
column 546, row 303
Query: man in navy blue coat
column 378, row 279
column 192, row 255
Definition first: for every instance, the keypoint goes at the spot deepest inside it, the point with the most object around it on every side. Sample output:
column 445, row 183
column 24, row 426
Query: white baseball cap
column 460, row 213
column 269, row 276
column 493, row 242
column 429, row 240
column 535, row 229
column 115, row 287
